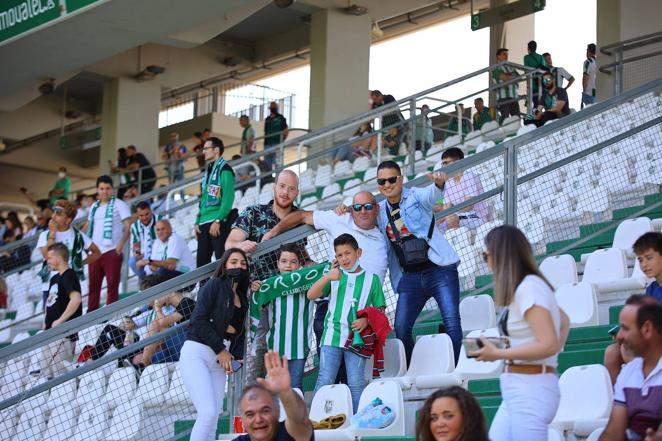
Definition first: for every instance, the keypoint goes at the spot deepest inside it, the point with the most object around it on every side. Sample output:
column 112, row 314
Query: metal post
column 412, row 140
column 214, row 100
column 140, row 180
column 618, row 72
column 379, row 139
column 510, row 186
column 459, row 120
column 529, row 92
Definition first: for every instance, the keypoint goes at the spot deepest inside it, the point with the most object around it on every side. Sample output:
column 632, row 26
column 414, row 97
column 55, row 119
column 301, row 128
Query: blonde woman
column 536, row 330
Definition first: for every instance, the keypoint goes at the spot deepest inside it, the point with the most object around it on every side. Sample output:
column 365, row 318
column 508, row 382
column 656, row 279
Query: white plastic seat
column 492, row 132
column 343, row 169
column 352, row 187
column 395, row 358
column 629, row 231
column 471, row 369
column 605, row 265
column 331, row 400
column 26, row 310
column 511, row 125
column 370, row 179
column 35, row 404
column 308, row 202
column 62, row 395
column 92, row 423
column 485, row 145
column 580, row 303
column 533, row 228
column 5, row 333
column 91, row 388
column 595, row 435
column 391, row 395
column 595, row 200
column 559, row 270
column 8, row 420
column 61, row 423
column 153, row 385
column 526, row 129
column 121, row 386
column 477, row 312
column 323, row 176
column 432, row 356
column 126, row 422
column 362, row 163
column 283, row 413
column 452, row 141
column 586, row 399
column 176, row 394
column 481, row 232
column 473, row 138
column 30, row 426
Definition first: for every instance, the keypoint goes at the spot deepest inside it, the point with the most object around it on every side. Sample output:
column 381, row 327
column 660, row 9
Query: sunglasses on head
column 58, row 209
column 391, row 180
column 358, row 207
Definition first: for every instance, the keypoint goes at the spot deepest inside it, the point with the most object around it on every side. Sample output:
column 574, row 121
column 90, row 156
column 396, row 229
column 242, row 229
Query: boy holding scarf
column 216, row 214
column 108, row 225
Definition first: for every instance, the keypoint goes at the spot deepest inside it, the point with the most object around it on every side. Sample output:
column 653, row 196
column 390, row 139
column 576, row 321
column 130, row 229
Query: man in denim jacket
column 412, row 215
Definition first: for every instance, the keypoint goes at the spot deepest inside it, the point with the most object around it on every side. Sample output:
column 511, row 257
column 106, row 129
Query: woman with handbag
column 534, row 330
column 215, row 341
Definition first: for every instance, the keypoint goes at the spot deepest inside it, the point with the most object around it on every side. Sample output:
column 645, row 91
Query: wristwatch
column 217, row 221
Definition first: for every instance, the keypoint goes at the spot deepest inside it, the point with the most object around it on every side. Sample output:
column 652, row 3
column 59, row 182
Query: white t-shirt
column 65, row 237
column 531, row 291
column 121, row 212
column 590, row 69
column 372, row 242
column 175, row 248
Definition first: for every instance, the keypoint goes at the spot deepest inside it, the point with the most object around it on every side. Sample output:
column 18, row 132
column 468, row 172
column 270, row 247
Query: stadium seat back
column 586, row 394
column 121, row 386
column 629, row 231
column 126, row 422
column 432, row 354
column 331, row 400
column 470, row 368
column 559, row 270
column 391, row 395
column 477, row 312
column 153, row 384
column 61, row 423
column 605, row 265
column 580, row 303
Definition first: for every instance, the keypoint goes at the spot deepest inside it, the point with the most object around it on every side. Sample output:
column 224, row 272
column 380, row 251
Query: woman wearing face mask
column 451, row 414
column 215, row 339
column 536, row 329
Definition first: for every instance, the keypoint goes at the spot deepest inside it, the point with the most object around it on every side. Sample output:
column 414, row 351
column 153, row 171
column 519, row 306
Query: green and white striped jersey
column 365, row 287
column 504, row 92
column 291, row 326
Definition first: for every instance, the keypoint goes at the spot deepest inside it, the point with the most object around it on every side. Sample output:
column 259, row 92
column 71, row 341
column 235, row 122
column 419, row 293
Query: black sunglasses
column 391, row 180
column 369, row 206
column 485, row 256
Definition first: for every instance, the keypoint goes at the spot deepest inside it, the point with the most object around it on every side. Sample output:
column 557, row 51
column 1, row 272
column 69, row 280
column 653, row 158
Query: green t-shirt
column 365, row 288
column 534, row 60
column 273, row 125
column 64, row 184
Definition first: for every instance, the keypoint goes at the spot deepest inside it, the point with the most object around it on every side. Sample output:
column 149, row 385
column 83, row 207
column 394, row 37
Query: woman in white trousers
column 215, row 339
column 535, row 329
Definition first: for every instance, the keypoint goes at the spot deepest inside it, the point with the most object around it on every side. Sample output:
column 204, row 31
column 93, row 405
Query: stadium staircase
column 569, row 185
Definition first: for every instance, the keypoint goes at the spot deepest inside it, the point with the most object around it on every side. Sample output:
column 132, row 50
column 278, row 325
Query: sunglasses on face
column 547, row 81
column 486, row 255
column 58, row 209
column 358, row 207
column 391, row 180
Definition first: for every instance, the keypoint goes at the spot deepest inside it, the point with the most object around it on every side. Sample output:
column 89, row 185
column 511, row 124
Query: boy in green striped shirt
column 291, row 318
column 347, row 286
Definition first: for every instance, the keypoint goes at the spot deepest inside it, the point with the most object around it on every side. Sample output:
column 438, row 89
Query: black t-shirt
column 61, row 285
column 140, row 159
column 559, row 95
column 281, row 435
column 185, row 308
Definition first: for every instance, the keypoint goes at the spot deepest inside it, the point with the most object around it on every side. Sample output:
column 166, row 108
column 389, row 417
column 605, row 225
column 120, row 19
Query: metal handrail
column 633, row 43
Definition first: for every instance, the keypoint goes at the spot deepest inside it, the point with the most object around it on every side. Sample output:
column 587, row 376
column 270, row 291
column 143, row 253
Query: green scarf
column 211, row 183
column 107, row 221
column 76, row 259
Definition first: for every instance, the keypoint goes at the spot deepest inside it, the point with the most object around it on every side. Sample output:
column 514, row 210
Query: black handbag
column 414, row 249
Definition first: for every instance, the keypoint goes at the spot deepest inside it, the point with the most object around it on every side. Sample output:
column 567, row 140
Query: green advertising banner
column 19, row 16
column 73, row 5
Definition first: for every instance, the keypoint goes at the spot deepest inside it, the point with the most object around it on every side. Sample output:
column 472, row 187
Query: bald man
column 247, row 231
column 170, row 254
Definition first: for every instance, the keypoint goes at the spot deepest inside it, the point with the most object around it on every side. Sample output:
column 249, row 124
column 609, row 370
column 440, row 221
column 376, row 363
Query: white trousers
column 204, row 381
column 529, row 405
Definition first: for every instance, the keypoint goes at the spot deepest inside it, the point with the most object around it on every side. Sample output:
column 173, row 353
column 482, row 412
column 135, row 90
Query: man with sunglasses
column 554, row 102
column 422, row 263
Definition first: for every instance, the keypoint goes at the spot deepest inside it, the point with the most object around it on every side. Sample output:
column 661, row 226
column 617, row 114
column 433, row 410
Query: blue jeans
column 414, row 289
column 344, row 153
column 170, row 348
column 587, row 99
column 330, row 358
column 296, row 371
column 132, row 264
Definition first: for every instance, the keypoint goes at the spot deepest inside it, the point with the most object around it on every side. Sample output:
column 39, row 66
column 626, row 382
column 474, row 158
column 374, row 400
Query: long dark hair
column 221, row 270
column 122, row 157
column 473, row 427
column 512, row 259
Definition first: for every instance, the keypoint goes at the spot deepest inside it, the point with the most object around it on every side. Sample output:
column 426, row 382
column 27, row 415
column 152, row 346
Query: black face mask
column 273, row 109
column 238, row 276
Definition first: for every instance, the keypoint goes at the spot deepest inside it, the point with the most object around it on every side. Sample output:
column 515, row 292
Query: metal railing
column 636, row 61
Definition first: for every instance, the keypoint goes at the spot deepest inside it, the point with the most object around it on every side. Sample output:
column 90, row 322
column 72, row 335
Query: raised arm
column 291, row 220
column 317, row 290
column 237, row 239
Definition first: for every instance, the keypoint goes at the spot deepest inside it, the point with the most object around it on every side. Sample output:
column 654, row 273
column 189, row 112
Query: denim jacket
column 416, row 212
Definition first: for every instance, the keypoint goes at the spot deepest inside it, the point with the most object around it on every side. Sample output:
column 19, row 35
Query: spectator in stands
column 174, row 154
column 109, row 226
column 507, row 96
column 536, row 329
column 451, row 414
column 275, row 132
column 248, row 230
column 218, row 317
column 392, row 140
column 215, row 212
column 121, row 167
column 86, row 201
column 589, row 72
column 247, row 135
column 30, row 227
column 118, row 336
column 339, row 285
column 43, row 217
column 394, row 119
column 617, row 354
column 459, row 188
column 144, row 174
column 648, row 249
column 3, row 226
column 260, row 411
column 130, row 192
column 636, row 412
column 13, row 223
column 4, row 294
column 199, row 153
column 429, row 268
column 143, row 235
column 15, row 257
column 558, row 73
column 170, row 254
column 554, row 103
column 534, row 60
column 167, row 350
column 64, row 303
column 244, row 172
column 453, row 126
column 483, row 114
column 359, row 144
column 61, row 187
column 424, row 135
column 82, row 250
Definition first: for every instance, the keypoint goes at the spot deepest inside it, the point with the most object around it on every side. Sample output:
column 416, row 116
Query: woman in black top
column 216, row 335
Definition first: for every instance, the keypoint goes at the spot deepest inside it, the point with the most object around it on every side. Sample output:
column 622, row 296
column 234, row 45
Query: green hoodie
column 217, row 192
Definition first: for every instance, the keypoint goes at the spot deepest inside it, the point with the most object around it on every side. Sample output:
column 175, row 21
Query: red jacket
column 374, row 338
